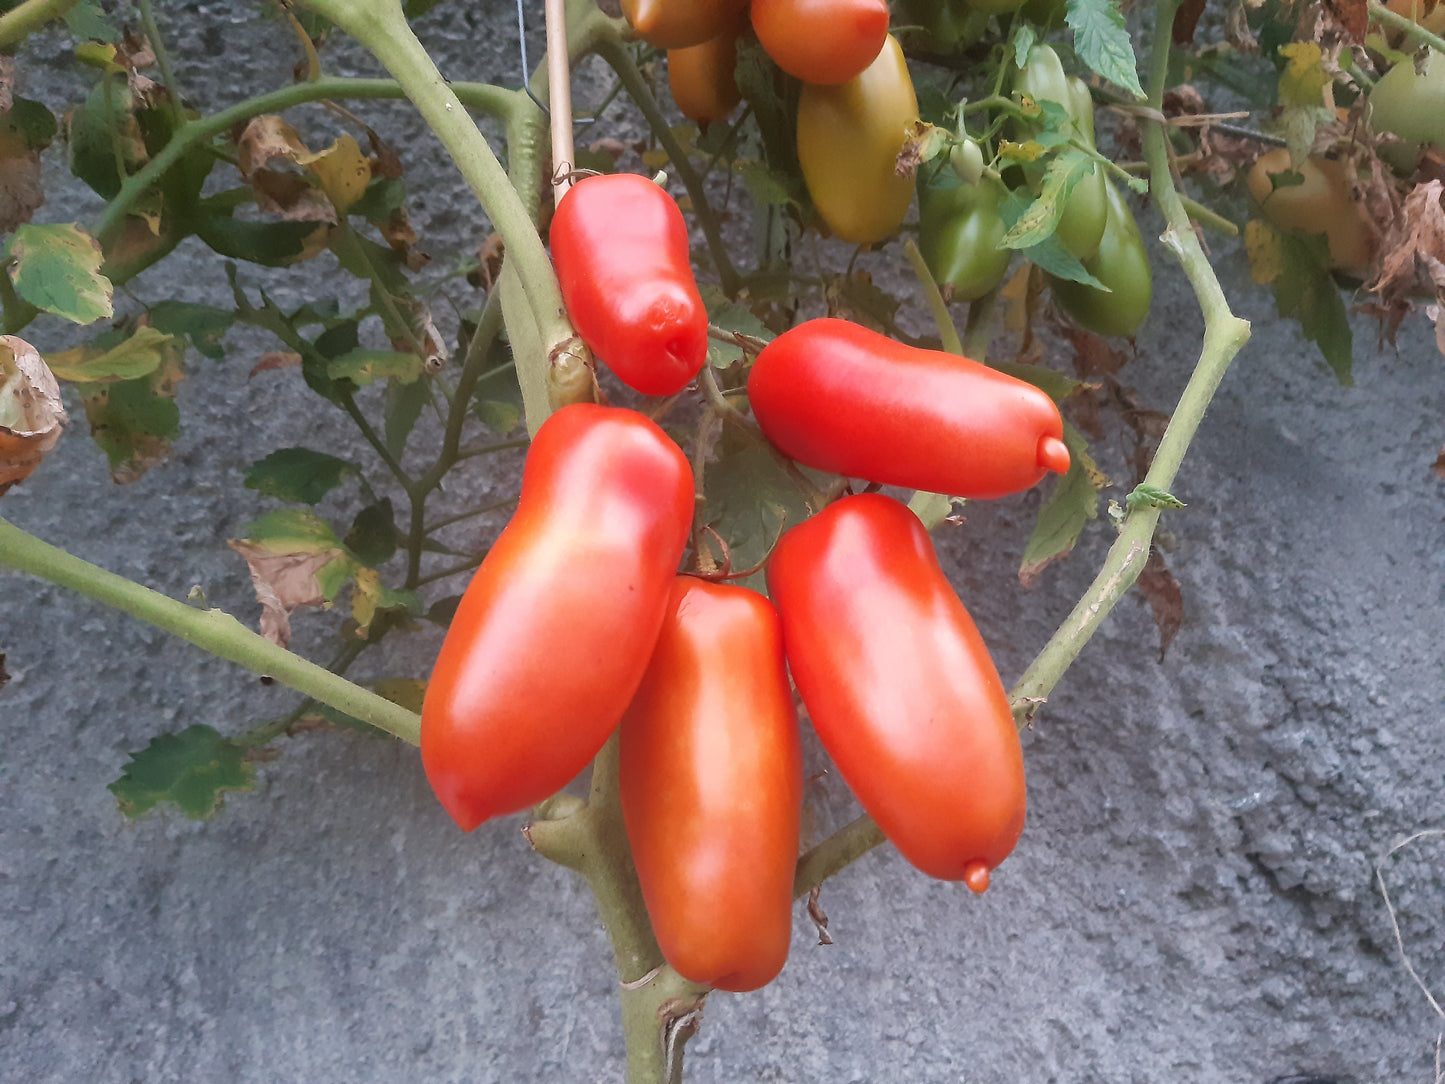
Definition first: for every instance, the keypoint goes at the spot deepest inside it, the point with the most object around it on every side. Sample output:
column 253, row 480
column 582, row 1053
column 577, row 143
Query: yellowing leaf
column 1031, row 151
column 343, row 170
column 1262, row 244
column 1304, row 79
column 140, row 355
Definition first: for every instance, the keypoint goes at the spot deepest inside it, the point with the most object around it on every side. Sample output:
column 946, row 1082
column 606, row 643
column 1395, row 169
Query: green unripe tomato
column 1411, row 105
column 1121, row 264
column 947, row 25
column 959, row 234
column 1086, row 215
column 966, row 161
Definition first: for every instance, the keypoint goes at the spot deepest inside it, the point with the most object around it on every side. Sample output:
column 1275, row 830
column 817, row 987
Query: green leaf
column 191, row 770
column 87, row 22
column 365, row 366
column 57, row 269
column 373, row 535
column 1147, row 496
column 751, row 498
column 1072, row 504
column 729, row 316
column 1023, row 41
column 270, row 244
column 1056, row 385
column 382, row 197
column 1305, row 290
column 32, row 122
column 766, row 186
column 133, row 421
column 1049, row 254
column 1041, row 217
column 103, row 137
column 298, row 474
column 140, row 355
column 204, row 325
column 405, row 400
column 1102, row 41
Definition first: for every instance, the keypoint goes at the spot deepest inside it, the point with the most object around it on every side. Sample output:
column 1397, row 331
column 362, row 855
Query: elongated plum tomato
column 676, row 24
column 702, row 80
column 821, row 42
column 900, row 686
column 620, row 247
column 712, row 786
column 836, row 396
column 849, row 137
column 554, row 632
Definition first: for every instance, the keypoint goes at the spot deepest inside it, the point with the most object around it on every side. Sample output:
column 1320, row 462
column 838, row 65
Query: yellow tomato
column 676, row 24
column 1324, row 203
column 849, row 137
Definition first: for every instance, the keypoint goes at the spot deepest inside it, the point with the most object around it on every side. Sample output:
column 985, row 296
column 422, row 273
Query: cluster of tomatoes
column 578, row 624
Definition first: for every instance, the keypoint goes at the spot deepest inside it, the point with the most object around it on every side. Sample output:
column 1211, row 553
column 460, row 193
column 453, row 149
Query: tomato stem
column 20, row 22
column 1381, row 14
column 212, row 630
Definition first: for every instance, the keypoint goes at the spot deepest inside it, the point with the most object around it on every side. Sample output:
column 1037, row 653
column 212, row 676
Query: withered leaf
column 283, row 582
column 31, row 412
column 1165, row 598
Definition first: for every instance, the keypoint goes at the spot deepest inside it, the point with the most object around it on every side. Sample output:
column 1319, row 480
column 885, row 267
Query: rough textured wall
column 1192, row 899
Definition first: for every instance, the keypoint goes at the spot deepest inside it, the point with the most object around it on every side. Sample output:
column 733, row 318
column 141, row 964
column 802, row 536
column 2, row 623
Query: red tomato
column 620, row 246
column 824, row 42
column 676, row 24
column 900, row 686
column 836, row 396
column 712, row 787
column 554, row 632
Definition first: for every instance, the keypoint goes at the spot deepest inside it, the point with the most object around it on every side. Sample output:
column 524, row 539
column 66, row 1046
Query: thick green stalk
column 215, row 631
column 660, row 1009
column 19, row 23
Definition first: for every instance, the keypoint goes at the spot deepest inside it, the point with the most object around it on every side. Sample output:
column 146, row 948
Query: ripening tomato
column 702, row 80
column 824, row 42
column 849, row 137
column 1411, row 104
column 838, row 397
column 900, row 686
column 1323, row 202
column 676, row 24
column 555, row 630
column 620, row 246
column 712, row 787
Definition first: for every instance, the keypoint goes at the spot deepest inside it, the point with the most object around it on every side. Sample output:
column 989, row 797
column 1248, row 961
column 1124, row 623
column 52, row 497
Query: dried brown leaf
column 31, row 413
column 819, row 916
column 1439, row 469
column 1186, row 18
column 1165, row 598
column 1414, row 251
column 264, row 138
column 385, row 162
column 283, row 582
column 278, row 359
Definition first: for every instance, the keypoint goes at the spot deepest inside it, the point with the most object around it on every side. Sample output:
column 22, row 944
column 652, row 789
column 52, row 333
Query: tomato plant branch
column 1383, row 15
column 611, row 48
column 163, row 61
column 947, row 332
column 212, row 630
column 841, row 849
column 1224, row 336
column 20, row 22
column 656, row 1001
column 482, row 97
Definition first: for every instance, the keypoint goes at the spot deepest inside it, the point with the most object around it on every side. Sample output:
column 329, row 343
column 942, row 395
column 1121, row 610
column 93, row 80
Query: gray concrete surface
column 1192, row 899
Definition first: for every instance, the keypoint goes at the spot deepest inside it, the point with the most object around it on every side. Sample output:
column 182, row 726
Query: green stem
column 657, row 1003
column 612, row 50
column 1207, row 218
column 20, row 22
column 842, row 848
column 163, row 61
column 1381, row 14
column 214, row 631
column 946, row 331
column 482, row 97
column 1224, row 336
